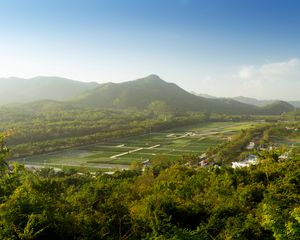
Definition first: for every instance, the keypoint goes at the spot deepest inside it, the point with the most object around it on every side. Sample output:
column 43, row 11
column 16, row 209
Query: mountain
column 277, row 107
column 296, row 104
column 19, row 90
column 151, row 92
column 203, row 95
column 142, row 93
column 254, row 101
column 262, row 103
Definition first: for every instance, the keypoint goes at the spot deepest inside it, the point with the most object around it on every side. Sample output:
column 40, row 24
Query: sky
column 218, row 47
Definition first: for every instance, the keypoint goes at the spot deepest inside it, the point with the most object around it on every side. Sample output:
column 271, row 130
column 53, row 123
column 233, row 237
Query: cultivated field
column 287, row 141
column 122, row 152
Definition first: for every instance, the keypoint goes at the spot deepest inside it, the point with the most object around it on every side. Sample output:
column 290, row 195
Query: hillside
column 19, row 90
column 277, row 107
column 152, row 91
column 253, row 101
column 203, row 95
column 296, row 104
column 138, row 94
column 262, row 103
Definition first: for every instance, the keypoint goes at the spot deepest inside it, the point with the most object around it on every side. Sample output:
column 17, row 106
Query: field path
column 125, row 153
column 155, row 146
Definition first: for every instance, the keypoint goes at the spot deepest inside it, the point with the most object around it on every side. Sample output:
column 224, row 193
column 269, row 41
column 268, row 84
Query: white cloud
column 272, row 80
column 247, row 72
column 280, row 80
column 289, row 70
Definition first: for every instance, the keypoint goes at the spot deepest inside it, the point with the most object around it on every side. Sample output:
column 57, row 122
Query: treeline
column 235, row 147
column 35, row 130
column 265, row 136
column 178, row 202
column 31, row 132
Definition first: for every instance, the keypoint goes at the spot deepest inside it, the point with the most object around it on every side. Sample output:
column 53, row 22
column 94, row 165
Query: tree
column 3, row 153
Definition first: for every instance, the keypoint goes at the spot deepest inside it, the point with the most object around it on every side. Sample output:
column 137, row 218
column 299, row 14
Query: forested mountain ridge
column 139, row 94
column 277, row 107
column 250, row 100
column 20, row 90
column 150, row 92
column 262, row 103
column 153, row 92
column 254, row 101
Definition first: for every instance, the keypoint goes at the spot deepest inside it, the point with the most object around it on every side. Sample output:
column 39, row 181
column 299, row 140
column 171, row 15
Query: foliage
column 40, row 131
column 180, row 202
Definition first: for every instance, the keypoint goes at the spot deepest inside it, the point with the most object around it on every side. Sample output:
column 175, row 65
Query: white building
column 250, row 160
column 250, row 146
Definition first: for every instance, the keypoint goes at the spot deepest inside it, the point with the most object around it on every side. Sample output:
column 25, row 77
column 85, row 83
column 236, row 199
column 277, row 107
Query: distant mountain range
column 261, row 103
column 150, row 92
column 19, row 90
column 145, row 92
column 252, row 101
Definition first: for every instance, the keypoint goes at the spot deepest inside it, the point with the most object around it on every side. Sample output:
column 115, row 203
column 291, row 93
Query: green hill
column 19, row 90
column 296, row 104
column 138, row 94
column 263, row 103
column 277, row 107
column 254, row 101
column 152, row 91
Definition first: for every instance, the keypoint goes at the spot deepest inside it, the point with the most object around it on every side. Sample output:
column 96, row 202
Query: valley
column 121, row 125
column 153, row 120
column 121, row 153
column 122, row 161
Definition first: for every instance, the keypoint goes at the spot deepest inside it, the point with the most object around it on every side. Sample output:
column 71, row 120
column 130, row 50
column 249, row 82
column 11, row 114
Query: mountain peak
column 152, row 77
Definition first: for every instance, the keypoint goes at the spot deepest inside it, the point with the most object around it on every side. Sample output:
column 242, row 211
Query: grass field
column 122, row 152
column 288, row 141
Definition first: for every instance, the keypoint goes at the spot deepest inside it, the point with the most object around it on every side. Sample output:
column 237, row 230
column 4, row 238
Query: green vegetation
column 261, row 103
column 170, row 200
column 173, row 143
column 150, row 93
column 281, row 135
column 144, row 92
column 172, row 190
column 40, row 131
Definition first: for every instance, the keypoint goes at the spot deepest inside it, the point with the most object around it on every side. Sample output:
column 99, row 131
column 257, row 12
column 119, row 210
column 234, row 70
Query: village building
column 283, row 156
column 204, row 163
column 250, row 146
column 249, row 160
column 146, row 164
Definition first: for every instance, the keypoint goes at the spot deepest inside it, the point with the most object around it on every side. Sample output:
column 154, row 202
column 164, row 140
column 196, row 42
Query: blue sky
column 219, row 47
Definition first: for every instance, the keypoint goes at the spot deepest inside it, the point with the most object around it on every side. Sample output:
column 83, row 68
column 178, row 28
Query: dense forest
column 169, row 200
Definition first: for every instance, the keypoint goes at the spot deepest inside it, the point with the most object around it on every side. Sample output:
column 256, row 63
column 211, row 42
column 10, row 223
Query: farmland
column 289, row 139
column 120, row 153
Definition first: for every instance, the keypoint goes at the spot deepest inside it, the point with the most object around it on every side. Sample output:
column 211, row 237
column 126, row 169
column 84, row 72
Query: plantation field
column 120, row 153
column 288, row 141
